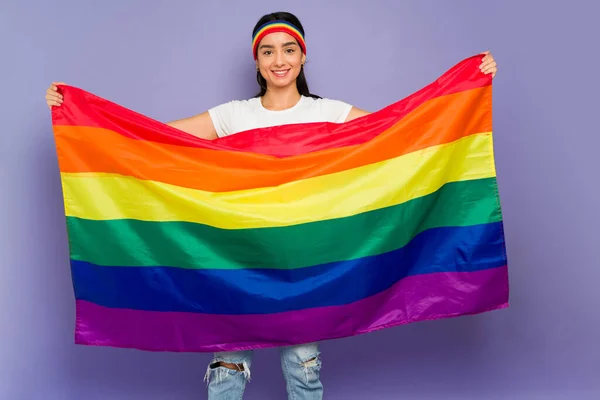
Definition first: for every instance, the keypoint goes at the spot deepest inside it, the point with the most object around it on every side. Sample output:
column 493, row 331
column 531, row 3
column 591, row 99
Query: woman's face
column 280, row 59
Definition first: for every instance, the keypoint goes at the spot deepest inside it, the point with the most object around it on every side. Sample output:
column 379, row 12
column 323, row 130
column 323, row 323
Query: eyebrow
column 268, row 46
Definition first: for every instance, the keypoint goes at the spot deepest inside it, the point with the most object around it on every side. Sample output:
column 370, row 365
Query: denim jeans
column 300, row 366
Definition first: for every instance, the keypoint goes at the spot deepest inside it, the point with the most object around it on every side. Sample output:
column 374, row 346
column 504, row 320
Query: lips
column 280, row 73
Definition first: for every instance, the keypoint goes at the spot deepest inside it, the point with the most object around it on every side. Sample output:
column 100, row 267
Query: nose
column 279, row 61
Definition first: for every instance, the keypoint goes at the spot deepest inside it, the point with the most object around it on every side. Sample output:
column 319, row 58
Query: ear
column 303, row 58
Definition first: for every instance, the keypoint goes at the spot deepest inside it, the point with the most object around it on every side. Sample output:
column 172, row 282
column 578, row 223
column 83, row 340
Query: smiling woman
column 279, row 50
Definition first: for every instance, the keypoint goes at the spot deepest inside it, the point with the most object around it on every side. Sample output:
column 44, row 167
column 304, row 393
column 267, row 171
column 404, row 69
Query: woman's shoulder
column 236, row 106
column 329, row 109
column 324, row 100
column 243, row 103
column 337, row 110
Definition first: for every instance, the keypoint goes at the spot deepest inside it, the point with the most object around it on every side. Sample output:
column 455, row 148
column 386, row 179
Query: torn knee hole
column 310, row 363
column 235, row 367
column 213, row 369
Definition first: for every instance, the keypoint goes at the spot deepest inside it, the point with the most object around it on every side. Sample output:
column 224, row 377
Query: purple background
column 170, row 61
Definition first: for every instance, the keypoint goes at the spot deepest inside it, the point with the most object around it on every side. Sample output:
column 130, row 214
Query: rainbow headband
column 277, row 26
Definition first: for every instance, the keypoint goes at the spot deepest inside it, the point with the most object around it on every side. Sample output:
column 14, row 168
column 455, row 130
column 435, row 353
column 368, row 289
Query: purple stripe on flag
column 413, row 299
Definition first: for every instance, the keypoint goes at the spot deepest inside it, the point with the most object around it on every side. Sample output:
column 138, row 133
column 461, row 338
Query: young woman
column 280, row 53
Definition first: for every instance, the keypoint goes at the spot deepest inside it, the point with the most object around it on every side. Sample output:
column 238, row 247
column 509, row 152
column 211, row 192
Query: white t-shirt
column 242, row 115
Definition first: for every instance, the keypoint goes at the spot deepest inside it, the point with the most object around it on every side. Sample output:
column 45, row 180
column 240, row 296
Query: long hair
column 301, row 82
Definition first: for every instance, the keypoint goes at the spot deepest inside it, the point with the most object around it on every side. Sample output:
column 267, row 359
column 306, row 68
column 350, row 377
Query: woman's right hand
column 53, row 98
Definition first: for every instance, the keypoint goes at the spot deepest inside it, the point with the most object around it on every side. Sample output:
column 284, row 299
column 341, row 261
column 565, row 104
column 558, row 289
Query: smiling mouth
column 280, row 73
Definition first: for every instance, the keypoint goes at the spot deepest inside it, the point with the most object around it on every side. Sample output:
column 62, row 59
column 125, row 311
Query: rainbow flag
column 283, row 235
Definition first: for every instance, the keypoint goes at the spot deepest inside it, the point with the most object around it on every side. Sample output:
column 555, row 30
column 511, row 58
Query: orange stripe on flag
column 438, row 121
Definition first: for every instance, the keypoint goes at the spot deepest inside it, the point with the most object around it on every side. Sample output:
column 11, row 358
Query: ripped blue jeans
column 300, row 366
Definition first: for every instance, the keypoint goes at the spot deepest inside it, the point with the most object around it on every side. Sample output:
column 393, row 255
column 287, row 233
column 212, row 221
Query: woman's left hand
column 488, row 64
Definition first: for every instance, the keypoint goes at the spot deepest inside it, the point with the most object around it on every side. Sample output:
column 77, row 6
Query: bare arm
column 200, row 125
column 356, row 113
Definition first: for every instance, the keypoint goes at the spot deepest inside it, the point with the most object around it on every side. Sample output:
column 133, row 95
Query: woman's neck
column 281, row 99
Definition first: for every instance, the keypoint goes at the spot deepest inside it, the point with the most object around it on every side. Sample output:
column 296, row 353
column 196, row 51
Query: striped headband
column 277, row 26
